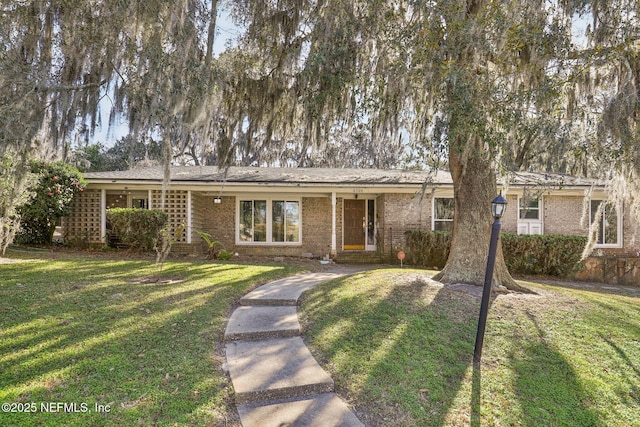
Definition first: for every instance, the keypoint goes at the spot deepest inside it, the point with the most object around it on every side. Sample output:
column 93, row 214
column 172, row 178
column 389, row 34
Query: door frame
column 366, row 200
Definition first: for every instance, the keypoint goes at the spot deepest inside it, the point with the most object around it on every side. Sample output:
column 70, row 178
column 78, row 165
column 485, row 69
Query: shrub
column 551, row 255
column 137, row 228
column 428, row 248
column 53, row 192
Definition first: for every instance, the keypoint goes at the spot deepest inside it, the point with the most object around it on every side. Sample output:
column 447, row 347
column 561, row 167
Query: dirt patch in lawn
column 11, row 260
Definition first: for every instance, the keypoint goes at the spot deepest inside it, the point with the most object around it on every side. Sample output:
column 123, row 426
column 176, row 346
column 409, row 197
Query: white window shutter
column 523, row 228
column 535, row 228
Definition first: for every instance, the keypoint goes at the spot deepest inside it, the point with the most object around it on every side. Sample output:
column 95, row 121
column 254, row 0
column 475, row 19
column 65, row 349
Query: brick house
column 336, row 212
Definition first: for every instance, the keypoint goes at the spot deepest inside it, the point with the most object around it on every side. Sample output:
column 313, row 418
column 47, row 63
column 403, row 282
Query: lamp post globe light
column 498, row 207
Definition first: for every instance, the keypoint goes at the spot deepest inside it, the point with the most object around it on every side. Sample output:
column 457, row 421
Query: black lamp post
column 498, row 206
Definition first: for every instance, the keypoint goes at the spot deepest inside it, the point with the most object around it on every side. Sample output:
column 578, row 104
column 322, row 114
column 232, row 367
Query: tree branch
column 211, row 32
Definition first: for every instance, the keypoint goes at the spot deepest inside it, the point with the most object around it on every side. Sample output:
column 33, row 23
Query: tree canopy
column 309, row 73
column 126, row 153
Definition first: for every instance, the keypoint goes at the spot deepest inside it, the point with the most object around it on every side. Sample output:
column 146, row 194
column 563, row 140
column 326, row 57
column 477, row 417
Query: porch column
column 334, row 249
column 189, row 213
column 103, row 216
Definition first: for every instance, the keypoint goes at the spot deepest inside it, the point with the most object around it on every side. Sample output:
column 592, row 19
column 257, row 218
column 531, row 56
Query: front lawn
column 92, row 342
column 399, row 347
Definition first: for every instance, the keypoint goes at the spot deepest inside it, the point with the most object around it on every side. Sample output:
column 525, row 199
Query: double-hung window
column 605, row 216
column 442, row 214
column 530, row 216
column 530, row 209
column 269, row 221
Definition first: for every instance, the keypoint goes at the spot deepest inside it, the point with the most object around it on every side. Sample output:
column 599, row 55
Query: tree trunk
column 474, row 184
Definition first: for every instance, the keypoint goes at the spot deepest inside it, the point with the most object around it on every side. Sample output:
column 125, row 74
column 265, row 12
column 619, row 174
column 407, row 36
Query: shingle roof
column 328, row 176
column 276, row 175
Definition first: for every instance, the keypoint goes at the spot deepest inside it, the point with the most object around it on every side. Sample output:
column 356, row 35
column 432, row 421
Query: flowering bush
column 57, row 185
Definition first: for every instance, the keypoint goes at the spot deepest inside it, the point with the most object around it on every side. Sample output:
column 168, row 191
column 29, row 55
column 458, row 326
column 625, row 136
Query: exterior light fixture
column 498, row 207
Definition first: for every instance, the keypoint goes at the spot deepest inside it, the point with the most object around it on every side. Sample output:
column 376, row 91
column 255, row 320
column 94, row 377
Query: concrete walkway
column 277, row 381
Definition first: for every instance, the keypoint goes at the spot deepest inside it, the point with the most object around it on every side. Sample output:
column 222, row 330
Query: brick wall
column 316, row 225
column 611, row 270
column 198, row 208
column 218, row 219
column 180, row 248
column 398, row 213
column 509, row 221
column 562, row 215
column 197, row 214
column 395, row 214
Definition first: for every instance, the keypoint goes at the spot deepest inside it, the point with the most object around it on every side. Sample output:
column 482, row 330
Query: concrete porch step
column 359, row 257
column 322, row 410
column 261, row 322
column 276, row 368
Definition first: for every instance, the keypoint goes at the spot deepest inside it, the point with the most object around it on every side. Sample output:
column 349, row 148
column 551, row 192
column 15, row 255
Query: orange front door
column 354, row 224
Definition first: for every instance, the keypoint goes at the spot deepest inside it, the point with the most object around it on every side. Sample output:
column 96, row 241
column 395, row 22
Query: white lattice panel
column 176, row 206
column 84, row 222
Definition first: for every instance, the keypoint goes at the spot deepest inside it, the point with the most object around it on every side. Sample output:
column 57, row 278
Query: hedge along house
column 340, row 213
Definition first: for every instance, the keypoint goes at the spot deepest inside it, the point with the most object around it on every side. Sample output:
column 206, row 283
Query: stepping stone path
column 277, row 381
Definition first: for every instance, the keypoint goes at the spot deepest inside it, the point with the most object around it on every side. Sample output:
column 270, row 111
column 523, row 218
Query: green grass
column 400, row 348
column 82, row 331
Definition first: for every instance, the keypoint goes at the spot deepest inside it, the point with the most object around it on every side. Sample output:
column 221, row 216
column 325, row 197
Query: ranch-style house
column 324, row 212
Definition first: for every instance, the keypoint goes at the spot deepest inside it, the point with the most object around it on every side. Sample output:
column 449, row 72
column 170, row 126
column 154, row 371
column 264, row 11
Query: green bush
column 428, row 248
column 137, row 228
column 53, row 192
column 551, row 254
